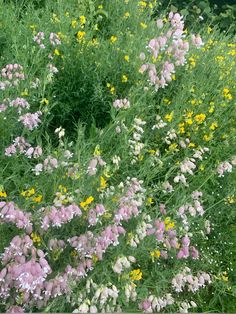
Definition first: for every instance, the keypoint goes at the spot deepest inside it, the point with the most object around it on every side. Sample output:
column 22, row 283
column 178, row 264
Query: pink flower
column 197, row 41
column 31, row 120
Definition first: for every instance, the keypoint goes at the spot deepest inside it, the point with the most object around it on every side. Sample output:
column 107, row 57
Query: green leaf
column 184, row 12
column 173, row 8
column 102, row 12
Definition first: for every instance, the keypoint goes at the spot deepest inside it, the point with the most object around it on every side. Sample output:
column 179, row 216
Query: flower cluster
column 172, row 45
column 156, row 304
column 21, row 146
column 141, row 207
column 31, row 120
column 96, row 298
column 11, row 75
column 59, row 216
column 26, row 269
column 123, row 263
column 226, row 166
column 136, row 145
column 121, row 103
column 11, row 214
column 39, row 39
column 49, row 164
column 186, row 280
column 20, row 104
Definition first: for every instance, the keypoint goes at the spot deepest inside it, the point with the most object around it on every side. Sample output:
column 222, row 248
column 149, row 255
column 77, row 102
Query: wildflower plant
column 139, row 198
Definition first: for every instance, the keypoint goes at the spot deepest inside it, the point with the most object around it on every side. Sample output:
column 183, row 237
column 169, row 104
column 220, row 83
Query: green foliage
column 98, row 62
column 221, row 13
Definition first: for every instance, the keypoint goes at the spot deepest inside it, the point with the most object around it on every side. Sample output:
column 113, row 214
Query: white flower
column 83, row 308
column 60, row 131
column 117, row 267
column 38, row 168
column 93, row 309
column 68, row 154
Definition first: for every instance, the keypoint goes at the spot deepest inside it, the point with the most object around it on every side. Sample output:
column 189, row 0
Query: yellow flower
column 94, row 258
column 199, row 118
column 103, row 183
column 74, row 23
column 169, row 116
column 62, row 188
column 189, row 121
column 225, row 91
column 88, row 201
column 95, row 42
column 25, row 92
column 149, row 201
column 192, row 62
column 73, row 253
column 173, row 147
column 143, row 25
column 230, row 199
column 126, row 58
column 56, row 52
column 136, row 274
column 112, row 90
column 167, row 220
column 36, row 238
column 219, row 58
column 140, row 157
column 207, row 138
column 142, row 4
column 38, row 199
column 227, row 94
column 82, row 20
column 44, row 101
column 189, row 114
column 80, row 35
column 3, row 194
column 167, row 101
column 113, row 39
column 28, row 193
column 55, row 19
column 181, row 128
column 232, row 53
column 213, row 126
column 152, row 152
column 127, row 14
column 170, row 226
column 211, row 109
column 100, row 7
column 201, row 167
column 209, row 30
column 224, row 276
column 155, row 254
column 124, row 78
column 33, row 27
column 97, row 151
